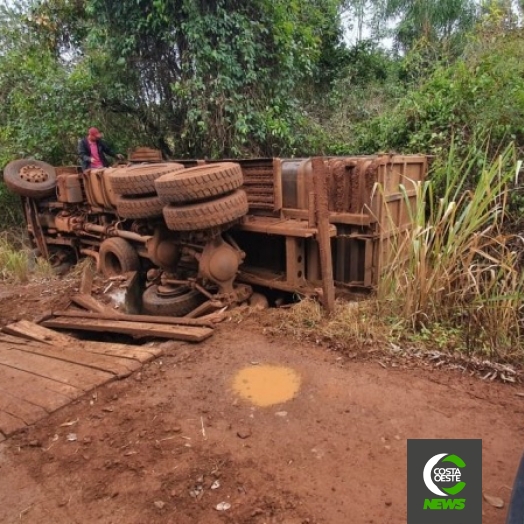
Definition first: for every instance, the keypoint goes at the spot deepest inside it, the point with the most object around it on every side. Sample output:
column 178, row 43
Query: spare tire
column 30, row 178
column 117, row 256
column 140, row 180
column 206, row 215
column 145, row 207
column 182, row 301
column 199, row 183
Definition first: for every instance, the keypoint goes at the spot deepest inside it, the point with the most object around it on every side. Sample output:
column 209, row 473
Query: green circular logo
column 439, row 475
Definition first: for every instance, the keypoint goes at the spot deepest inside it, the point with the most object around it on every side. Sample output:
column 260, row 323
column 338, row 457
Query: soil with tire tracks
column 149, row 449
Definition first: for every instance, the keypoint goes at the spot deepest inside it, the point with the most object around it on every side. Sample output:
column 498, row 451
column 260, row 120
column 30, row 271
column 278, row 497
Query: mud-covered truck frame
column 207, row 233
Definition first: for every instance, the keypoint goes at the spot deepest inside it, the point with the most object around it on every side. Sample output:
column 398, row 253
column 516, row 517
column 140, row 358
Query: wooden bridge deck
column 42, row 370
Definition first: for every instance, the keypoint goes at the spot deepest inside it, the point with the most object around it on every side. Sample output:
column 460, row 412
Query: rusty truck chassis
column 313, row 225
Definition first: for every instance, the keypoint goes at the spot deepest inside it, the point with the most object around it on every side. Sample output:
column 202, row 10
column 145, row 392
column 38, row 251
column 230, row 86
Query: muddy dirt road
column 151, row 448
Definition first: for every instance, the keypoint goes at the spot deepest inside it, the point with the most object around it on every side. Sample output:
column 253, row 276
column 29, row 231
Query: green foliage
column 203, row 78
column 442, row 22
column 47, row 103
column 464, row 266
column 370, row 86
column 480, row 96
column 219, row 78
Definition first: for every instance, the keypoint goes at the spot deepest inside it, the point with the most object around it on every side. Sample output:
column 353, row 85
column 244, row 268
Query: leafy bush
column 481, row 95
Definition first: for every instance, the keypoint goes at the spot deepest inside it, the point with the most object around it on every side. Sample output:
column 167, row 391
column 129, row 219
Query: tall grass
column 456, row 267
column 11, row 215
column 17, row 263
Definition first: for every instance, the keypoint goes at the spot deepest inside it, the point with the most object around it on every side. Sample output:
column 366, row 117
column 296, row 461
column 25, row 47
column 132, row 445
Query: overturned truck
column 205, row 234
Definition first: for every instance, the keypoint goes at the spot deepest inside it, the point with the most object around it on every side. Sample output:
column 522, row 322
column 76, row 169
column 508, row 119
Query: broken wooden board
column 46, row 370
column 15, row 380
column 32, row 331
column 27, row 331
column 21, row 409
column 86, row 283
column 176, row 321
column 135, row 329
column 92, row 304
column 117, row 366
column 66, row 372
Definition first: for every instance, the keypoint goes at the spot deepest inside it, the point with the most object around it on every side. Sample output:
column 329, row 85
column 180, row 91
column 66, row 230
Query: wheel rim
column 33, row 174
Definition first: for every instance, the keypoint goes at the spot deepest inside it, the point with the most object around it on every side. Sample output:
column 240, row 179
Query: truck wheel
column 182, row 301
column 199, row 183
column 140, row 180
column 206, row 215
column 145, row 207
column 30, row 178
column 117, row 256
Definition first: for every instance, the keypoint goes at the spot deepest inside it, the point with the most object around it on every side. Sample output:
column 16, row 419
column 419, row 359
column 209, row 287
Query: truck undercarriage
column 204, row 234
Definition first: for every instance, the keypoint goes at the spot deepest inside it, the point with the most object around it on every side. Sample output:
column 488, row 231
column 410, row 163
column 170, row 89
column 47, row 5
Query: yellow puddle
column 266, row 385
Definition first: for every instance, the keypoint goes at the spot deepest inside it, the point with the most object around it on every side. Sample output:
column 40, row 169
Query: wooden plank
column 21, row 409
column 91, row 304
column 176, row 321
column 129, row 351
column 208, row 307
column 10, row 424
column 136, row 329
column 133, row 293
column 117, row 366
column 86, row 284
column 124, row 351
column 32, row 331
column 215, row 317
column 16, row 377
column 65, row 372
column 4, row 337
column 36, row 390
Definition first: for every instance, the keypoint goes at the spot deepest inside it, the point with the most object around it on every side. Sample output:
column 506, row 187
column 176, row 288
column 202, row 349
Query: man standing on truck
column 93, row 151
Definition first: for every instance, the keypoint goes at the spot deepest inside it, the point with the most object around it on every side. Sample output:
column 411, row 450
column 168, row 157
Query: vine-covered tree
column 216, row 78
column 197, row 78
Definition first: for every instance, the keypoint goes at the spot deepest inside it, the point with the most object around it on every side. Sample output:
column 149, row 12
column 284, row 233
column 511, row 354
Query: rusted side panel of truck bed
column 369, row 200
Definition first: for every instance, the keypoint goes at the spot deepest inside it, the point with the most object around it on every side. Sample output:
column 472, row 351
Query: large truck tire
column 199, row 183
column 206, row 215
column 144, row 207
column 117, row 256
column 140, row 180
column 30, row 178
column 182, row 301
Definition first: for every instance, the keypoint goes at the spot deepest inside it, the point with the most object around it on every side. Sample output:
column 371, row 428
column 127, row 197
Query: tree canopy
column 233, row 78
column 221, row 78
